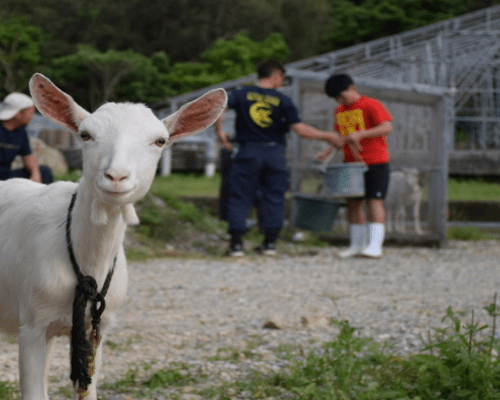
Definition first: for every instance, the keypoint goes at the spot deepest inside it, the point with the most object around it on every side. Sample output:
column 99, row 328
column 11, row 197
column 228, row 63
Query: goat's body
column 19, row 244
column 43, row 272
column 404, row 191
column 37, row 281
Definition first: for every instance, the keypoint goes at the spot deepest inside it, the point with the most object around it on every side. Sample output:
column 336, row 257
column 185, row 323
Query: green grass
column 458, row 362
column 192, row 184
column 180, row 184
column 469, row 233
column 7, row 391
column 477, row 189
column 187, row 184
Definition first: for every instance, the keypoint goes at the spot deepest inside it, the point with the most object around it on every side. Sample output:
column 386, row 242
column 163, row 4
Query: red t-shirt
column 363, row 114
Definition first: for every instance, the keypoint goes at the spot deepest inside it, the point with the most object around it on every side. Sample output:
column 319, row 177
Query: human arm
column 31, row 165
column 354, row 138
column 322, row 156
column 220, row 132
column 333, row 138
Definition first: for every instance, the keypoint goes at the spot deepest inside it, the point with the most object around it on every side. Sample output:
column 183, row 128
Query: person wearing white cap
column 17, row 112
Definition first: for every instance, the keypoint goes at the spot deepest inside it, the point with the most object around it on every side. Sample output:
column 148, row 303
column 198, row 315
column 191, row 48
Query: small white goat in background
column 404, row 191
column 122, row 144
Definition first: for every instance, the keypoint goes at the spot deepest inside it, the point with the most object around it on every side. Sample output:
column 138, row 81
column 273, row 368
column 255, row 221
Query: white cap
column 14, row 103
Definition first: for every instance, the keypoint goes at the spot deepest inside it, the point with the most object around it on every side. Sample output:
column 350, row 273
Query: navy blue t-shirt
column 12, row 144
column 262, row 115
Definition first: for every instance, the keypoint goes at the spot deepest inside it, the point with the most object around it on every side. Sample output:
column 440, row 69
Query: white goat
column 122, row 144
column 404, row 191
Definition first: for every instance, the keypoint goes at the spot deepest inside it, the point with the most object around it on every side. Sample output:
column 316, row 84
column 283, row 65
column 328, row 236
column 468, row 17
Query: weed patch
column 468, row 233
column 457, row 362
column 8, row 391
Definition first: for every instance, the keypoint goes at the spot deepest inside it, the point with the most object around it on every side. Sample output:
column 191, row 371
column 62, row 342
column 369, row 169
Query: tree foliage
column 94, row 77
column 148, row 50
column 20, row 46
column 227, row 59
column 363, row 20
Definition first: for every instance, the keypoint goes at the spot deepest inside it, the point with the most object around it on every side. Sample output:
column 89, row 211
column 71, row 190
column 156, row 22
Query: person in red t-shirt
column 363, row 123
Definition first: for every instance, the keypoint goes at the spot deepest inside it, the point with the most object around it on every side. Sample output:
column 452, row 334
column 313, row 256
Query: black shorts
column 376, row 181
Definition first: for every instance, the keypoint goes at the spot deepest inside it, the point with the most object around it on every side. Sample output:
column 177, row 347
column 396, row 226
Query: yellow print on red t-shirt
column 350, row 121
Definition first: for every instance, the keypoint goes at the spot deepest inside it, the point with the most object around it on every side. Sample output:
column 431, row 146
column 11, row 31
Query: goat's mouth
column 117, row 193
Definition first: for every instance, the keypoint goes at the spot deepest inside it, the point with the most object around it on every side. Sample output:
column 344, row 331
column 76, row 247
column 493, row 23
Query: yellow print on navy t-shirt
column 350, row 121
column 262, row 109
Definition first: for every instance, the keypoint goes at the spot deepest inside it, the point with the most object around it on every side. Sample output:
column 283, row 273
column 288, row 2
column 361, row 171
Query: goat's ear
column 197, row 115
column 54, row 104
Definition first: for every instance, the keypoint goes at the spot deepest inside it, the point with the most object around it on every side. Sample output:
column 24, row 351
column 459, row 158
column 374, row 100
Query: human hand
column 336, row 140
column 36, row 177
column 353, row 141
column 225, row 141
column 322, row 156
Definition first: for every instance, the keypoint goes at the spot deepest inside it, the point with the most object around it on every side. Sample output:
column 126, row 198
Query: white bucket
column 346, row 179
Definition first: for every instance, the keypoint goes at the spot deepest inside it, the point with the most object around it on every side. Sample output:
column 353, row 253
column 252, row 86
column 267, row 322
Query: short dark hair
column 336, row 84
column 267, row 68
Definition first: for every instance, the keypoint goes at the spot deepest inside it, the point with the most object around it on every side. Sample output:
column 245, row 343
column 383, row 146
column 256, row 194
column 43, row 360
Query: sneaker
column 235, row 250
column 269, row 249
column 350, row 252
column 372, row 253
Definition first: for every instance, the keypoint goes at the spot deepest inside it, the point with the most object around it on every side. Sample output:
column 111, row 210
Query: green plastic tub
column 316, row 214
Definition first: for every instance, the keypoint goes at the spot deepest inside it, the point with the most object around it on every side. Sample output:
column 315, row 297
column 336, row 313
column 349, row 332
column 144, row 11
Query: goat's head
column 122, row 142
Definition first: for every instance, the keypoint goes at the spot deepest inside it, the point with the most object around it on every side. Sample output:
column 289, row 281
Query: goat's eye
column 160, row 142
column 85, row 136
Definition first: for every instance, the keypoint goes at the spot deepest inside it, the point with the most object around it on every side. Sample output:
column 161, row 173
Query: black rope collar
column 86, row 290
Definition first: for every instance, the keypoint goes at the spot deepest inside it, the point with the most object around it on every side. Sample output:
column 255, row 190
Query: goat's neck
column 95, row 245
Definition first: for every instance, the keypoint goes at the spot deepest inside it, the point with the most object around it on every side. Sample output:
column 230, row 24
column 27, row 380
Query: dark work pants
column 257, row 166
column 45, row 172
column 225, row 169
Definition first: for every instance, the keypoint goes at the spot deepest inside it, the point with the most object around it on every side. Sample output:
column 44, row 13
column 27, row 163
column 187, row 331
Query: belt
column 260, row 143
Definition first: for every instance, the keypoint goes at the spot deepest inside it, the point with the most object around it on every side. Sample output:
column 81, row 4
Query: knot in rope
column 87, row 285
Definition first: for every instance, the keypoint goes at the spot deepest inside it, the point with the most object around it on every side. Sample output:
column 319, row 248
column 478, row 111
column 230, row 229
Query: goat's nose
column 116, row 176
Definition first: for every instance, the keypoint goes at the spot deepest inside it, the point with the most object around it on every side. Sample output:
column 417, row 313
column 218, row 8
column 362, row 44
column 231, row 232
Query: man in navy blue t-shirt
column 17, row 112
column 263, row 117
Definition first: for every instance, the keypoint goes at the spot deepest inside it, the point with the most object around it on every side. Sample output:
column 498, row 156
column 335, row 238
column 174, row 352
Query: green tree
column 363, row 20
column 20, row 46
column 303, row 23
column 184, row 29
column 227, row 59
column 94, row 77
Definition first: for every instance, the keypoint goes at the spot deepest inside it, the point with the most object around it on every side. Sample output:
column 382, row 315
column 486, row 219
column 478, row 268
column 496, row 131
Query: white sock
column 357, row 236
column 376, row 233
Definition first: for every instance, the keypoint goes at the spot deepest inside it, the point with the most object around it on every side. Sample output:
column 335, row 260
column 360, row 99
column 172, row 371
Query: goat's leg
column 47, row 364
column 388, row 220
column 403, row 219
column 397, row 220
column 416, row 216
column 32, row 363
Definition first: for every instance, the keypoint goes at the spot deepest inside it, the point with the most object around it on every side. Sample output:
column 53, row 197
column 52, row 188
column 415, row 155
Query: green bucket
column 316, row 214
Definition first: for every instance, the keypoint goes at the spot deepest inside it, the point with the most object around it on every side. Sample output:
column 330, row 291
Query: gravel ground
column 211, row 313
